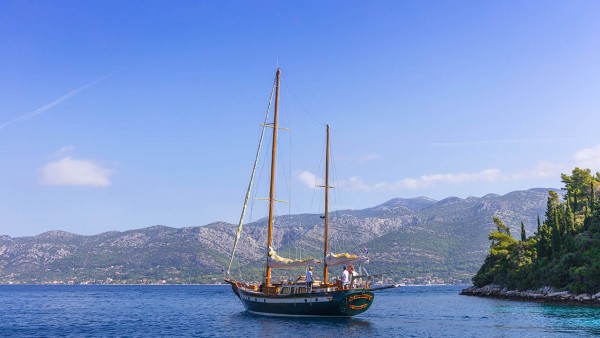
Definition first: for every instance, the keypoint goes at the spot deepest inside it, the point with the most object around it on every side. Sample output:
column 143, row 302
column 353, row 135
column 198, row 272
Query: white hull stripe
column 298, row 300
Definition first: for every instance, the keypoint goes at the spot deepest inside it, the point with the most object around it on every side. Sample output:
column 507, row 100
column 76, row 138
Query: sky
column 118, row 115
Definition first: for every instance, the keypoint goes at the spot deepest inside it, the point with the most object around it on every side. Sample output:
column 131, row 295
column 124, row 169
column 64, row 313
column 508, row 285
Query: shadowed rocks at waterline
column 546, row 294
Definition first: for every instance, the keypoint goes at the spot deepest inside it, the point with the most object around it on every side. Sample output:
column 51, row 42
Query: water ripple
column 213, row 311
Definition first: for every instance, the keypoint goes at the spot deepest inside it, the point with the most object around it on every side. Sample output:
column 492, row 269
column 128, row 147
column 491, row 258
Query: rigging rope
column 239, row 230
column 301, row 105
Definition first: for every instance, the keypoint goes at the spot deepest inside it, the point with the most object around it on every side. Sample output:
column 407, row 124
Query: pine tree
column 523, row 233
column 592, row 196
column 577, row 186
column 502, row 228
column 556, row 235
column 569, row 221
column 544, row 248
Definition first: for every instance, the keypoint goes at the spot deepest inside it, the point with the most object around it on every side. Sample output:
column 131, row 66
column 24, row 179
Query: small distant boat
column 293, row 298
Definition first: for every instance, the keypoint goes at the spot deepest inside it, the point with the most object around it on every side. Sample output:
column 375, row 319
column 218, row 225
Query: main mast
column 272, row 187
column 326, row 246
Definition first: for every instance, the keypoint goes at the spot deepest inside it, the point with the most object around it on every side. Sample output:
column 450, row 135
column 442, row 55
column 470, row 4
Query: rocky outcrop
column 545, row 294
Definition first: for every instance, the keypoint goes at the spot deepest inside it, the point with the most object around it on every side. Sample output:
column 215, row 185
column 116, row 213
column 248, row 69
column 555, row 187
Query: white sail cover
column 344, row 258
column 276, row 261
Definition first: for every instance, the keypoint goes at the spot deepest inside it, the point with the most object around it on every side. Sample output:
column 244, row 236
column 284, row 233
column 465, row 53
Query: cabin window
column 302, row 290
column 285, row 291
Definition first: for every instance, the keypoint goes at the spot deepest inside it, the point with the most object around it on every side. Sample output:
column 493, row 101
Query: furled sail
column 344, row 258
column 276, row 261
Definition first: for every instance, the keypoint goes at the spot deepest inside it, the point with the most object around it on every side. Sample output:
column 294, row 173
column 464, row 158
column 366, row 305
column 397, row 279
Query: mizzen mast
column 326, row 246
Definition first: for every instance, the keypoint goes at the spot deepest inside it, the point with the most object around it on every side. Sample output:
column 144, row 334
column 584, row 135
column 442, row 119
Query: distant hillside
column 416, row 238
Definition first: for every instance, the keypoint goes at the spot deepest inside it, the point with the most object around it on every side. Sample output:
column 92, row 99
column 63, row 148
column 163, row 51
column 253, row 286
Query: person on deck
column 352, row 274
column 309, row 279
column 345, row 278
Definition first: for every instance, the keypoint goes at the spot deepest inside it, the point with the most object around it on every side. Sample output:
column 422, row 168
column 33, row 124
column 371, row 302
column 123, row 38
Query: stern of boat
column 356, row 302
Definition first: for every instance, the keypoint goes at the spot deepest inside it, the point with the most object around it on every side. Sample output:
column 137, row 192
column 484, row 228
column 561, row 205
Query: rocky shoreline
column 545, row 294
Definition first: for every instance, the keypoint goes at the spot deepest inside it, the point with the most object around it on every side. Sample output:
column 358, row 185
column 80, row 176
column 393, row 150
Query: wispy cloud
column 358, row 184
column 69, row 171
column 540, row 170
column 369, row 157
column 488, row 175
column 584, row 158
column 64, row 150
column 500, row 141
column 48, row 106
column 588, row 158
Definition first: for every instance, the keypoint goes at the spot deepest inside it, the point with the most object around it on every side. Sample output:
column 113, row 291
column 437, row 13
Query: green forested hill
column 417, row 240
column 563, row 253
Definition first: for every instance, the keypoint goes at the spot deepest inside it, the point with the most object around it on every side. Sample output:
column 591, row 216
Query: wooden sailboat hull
column 341, row 303
column 292, row 299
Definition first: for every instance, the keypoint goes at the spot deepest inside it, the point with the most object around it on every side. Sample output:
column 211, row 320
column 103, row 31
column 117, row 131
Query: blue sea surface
column 213, row 311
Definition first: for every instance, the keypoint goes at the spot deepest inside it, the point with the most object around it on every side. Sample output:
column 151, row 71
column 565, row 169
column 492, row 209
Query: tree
column 577, row 185
column 564, row 252
column 496, row 266
column 502, row 228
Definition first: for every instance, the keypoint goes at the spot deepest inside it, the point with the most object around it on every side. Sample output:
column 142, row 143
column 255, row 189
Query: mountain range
column 414, row 240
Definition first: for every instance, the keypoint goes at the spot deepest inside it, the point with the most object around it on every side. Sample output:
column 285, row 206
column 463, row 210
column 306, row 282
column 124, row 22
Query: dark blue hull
column 340, row 303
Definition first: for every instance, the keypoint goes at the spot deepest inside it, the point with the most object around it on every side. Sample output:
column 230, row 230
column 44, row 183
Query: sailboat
column 326, row 298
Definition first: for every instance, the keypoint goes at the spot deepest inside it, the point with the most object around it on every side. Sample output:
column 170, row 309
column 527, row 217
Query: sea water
column 206, row 311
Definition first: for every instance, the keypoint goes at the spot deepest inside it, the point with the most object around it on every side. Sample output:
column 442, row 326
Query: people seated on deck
column 345, row 278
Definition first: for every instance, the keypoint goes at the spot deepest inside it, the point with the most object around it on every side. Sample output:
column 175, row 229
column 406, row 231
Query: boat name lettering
column 357, row 307
column 363, row 296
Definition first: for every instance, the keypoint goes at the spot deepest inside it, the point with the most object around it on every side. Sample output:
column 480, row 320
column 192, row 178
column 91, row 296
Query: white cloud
column 69, row 171
column 309, row 179
column 588, row 158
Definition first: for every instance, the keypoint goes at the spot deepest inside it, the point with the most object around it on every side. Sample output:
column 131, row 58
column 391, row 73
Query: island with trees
column 561, row 261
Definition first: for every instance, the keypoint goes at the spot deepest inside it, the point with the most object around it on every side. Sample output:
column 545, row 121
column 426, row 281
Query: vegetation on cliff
column 563, row 253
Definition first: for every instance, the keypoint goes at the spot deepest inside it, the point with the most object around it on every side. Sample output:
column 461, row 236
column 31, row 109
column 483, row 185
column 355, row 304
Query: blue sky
column 126, row 114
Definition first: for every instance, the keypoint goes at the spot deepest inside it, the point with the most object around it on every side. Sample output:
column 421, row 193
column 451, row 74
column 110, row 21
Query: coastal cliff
column 560, row 261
